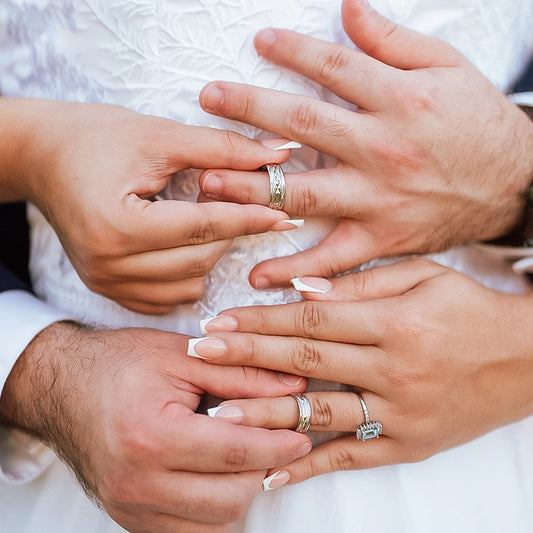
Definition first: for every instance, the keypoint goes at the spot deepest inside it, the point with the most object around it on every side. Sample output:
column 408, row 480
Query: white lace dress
column 154, row 56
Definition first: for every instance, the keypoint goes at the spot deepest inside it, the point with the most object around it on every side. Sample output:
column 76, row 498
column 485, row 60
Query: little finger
column 343, row 453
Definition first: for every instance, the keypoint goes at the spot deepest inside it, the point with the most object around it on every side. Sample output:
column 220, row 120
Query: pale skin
column 119, row 407
column 92, row 170
column 433, row 156
column 407, row 336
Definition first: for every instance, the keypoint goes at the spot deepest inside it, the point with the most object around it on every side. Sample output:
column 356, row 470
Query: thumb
column 391, row 43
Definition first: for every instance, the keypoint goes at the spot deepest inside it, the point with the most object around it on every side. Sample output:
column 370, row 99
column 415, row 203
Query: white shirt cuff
column 22, row 317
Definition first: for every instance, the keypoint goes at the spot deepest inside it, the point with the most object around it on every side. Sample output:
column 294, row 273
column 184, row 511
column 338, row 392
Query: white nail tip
column 298, row 222
column 213, row 411
column 289, row 146
column 191, row 350
column 203, row 324
column 268, row 480
column 300, row 286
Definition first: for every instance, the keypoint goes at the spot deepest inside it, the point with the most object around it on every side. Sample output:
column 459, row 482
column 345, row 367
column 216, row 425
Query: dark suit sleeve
column 14, row 247
column 525, row 83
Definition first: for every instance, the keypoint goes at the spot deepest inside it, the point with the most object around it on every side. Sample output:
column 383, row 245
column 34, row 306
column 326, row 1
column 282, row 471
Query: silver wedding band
column 277, row 187
column 304, row 413
column 368, row 429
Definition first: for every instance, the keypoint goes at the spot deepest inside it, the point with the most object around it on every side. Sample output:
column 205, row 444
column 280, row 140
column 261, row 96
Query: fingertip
column 264, row 39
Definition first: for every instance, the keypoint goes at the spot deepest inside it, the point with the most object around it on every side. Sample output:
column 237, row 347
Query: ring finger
column 330, row 411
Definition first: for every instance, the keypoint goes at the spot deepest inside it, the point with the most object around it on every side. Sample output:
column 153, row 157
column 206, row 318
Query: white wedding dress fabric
column 154, row 56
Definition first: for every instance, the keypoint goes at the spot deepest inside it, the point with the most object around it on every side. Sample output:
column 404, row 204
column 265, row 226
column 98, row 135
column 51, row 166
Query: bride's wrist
column 26, row 144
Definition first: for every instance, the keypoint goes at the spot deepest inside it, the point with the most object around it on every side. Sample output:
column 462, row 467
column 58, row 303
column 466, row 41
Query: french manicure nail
column 206, row 347
column 291, row 145
column 289, row 379
column 276, row 480
column 227, row 411
column 280, row 144
column 285, row 225
column 218, row 323
column 309, row 284
column 261, row 283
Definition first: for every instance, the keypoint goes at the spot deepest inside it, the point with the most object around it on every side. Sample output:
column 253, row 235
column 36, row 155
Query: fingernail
column 206, row 347
column 309, row 284
column 280, row 144
column 212, row 184
column 276, row 480
column 261, row 283
column 286, row 225
column 212, row 97
column 289, row 379
column 230, row 412
column 305, row 449
column 218, row 323
column 366, row 5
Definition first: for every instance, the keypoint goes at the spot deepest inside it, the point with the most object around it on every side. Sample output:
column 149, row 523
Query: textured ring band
column 277, row 186
column 304, row 413
column 368, row 429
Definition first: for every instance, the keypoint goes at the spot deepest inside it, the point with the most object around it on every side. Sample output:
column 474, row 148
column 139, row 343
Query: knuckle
column 203, row 232
column 234, row 511
column 302, row 120
column 337, row 128
column 363, row 282
column 311, row 319
column 304, row 199
column 321, row 412
column 341, row 459
column 331, row 63
column 306, row 358
column 234, row 143
column 236, row 457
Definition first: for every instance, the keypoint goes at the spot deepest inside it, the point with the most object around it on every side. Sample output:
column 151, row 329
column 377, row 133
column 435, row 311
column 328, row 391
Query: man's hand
column 93, row 170
column 119, row 407
column 434, row 155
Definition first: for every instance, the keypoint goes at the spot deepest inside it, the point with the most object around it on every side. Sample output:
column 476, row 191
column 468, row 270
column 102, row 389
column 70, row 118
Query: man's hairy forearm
column 42, row 393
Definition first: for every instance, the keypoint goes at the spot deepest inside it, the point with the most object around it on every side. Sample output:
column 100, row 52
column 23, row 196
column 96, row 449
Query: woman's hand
column 434, row 154
column 438, row 358
column 93, row 171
